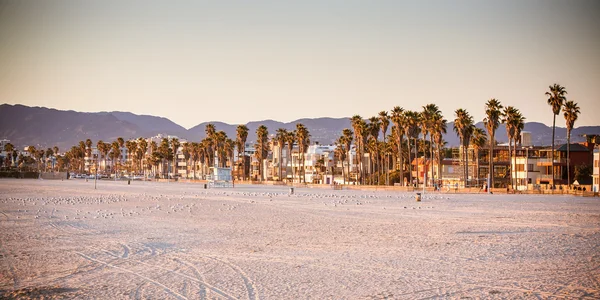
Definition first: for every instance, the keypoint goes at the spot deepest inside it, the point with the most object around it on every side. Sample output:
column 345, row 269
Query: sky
column 241, row 61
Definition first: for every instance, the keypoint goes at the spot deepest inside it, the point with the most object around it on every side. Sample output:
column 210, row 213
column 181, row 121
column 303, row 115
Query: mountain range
column 46, row 127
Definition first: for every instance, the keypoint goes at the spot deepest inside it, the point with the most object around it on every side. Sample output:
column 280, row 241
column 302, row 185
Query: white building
column 596, row 173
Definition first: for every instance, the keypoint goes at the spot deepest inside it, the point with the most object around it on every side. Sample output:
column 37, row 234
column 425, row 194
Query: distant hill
column 45, row 127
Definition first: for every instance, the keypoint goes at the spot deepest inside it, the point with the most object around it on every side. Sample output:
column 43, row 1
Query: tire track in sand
column 203, row 292
column 174, row 272
column 166, row 288
column 248, row 283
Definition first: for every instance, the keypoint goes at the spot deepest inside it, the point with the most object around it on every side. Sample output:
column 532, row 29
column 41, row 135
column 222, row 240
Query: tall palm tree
column 175, row 144
column 463, row 126
column 211, row 131
column 115, row 154
column 437, row 131
column 131, row 146
column 519, row 126
column 241, row 136
column 412, row 130
column 290, row 139
column 359, row 126
column 509, row 117
column 303, row 138
column 340, row 152
column 186, row 152
column 493, row 112
column 280, row 137
column 142, row 148
column 399, row 122
column 88, row 148
column 49, row 153
column 101, row 154
column 571, row 113
column 478, row 141
column 262, row 139
column 384, row 122
column 229, row 150
column 429, row 112
column 195, row 155
column 556, row 98
column 374, row 127
column 348, row 137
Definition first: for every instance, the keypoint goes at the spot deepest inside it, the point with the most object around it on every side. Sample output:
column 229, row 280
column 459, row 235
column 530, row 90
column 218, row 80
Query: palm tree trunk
column 401, row 160
column 491, row 161
column 466, row 166
column 431, row 156
column 477, row 166
column 553, row 129
column 417, row 163
column 348, row 165
column 568, row 160
column 510, row 159
column 409, row 163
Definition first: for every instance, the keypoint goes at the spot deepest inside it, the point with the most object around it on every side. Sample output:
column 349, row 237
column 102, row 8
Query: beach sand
column 63, row 239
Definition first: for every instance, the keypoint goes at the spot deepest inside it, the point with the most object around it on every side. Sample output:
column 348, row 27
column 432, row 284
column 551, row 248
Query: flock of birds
column 109, row 206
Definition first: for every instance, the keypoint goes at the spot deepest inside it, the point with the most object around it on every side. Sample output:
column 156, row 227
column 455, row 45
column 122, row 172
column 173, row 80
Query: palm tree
column 412, row 130
column 493, row 112
column 280, row 137
column 556, row 99
column 242, row 135
column 186, row 152
column 341, row 152
column 463, row 126
column 88, row 148
column 374, row 127
column 571, row 113
column 175, row 144
column 384, row 122
column 478, row 141
column 131, row 146
column 359, row 126
column 49, row 153
column 303, row 138
column 262, row 139
column 164, row 149
column 348, row 137
column 115, row 154
column 290, row 139
column 142, row 148
column 427, row 115
column 509, row 117
column 229, row 150
column 210, row 130
column 399, row 122
column 437, row 130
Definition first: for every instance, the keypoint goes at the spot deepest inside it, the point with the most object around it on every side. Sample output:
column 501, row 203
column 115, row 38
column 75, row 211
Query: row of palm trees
column 411, row 133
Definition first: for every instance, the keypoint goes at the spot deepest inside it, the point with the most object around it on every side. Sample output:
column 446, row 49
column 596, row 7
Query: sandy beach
column 63, row 239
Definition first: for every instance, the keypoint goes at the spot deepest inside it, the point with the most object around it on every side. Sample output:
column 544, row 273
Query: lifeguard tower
column 219, row 177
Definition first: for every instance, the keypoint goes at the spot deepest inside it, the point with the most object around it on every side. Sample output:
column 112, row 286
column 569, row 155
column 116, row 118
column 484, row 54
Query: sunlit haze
column 240, row 61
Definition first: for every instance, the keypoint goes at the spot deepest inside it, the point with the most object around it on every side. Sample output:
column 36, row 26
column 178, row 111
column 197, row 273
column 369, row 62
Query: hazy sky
column 239, row 61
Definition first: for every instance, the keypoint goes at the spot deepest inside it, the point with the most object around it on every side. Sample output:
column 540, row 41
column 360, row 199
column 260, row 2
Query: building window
column 530, row 167
column 520, row 167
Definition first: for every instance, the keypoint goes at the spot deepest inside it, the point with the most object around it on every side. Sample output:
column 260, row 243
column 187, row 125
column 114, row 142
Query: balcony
column 547, row 162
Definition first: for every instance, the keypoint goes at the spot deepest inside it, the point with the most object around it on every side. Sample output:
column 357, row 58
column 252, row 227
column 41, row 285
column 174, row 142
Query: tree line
column 411, row 134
